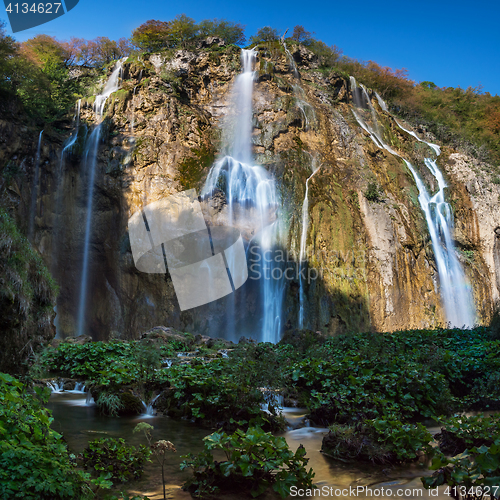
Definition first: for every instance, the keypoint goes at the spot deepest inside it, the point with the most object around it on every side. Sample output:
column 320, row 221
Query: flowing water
column 302, row 254
column 456, row 292
column 59, row 190
column 251, row 197
column 81, row 423
column 34, row 190
column 90, row 161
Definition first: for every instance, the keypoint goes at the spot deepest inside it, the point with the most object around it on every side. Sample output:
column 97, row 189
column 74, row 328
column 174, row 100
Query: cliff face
column 374, row 259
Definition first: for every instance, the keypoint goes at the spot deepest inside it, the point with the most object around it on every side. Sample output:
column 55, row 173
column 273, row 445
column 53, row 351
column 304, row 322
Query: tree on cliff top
column 184, row 29
column 265, row 34
column 152, row 35
column 227, row 30
column 301, row 35
column 8, row 49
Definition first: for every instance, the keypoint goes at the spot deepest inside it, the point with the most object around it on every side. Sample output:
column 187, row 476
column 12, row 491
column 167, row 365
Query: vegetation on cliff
column 27, row 298
column 43, row 73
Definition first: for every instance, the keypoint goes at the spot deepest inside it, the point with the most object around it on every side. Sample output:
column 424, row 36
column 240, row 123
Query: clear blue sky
column 452, row 43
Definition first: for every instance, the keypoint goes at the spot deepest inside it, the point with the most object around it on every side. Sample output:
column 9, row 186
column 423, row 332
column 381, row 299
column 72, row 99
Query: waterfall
column 148, row 408
column 90, row 161
column 56, row 386
column 303, row 239
column 298, row 92
column 381, row 102
column 251, row 196
column 456, row 293
column 59, row 190
column 34, row 190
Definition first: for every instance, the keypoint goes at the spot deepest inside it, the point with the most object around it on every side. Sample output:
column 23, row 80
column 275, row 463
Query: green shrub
column 354, row 389
column 472, row 475
column 461, row 432
column 373, row 192
column 377, row 441
column 108, row 455
column 27, row 297
column 255, row 461
column 34, row 460
column 214, row 393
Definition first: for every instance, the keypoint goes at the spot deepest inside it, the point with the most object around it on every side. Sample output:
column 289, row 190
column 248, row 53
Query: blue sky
column 452, row 43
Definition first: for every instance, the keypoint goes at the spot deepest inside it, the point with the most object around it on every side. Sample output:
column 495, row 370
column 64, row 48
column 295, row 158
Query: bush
column 377, row 441
column 27, row 298
column 352, row 389
column 461, row 432
column 472, row 475
column 373, row 192
column 34, row 460
column 108, row 455
column 255, row 461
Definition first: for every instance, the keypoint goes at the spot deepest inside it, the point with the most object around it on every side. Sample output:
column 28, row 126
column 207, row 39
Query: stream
column 80, row 423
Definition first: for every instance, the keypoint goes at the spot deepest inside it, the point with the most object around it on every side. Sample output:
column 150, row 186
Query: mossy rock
column 132, row 405
column 302, row 340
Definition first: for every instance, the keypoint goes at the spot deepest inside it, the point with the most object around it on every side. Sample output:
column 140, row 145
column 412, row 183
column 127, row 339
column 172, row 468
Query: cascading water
column 456, row 293
column 300, row 96
column 303, row 239
column 148, row 408
column 34, row 191
column 56, row 222
column 90, row 160
column 251, row 195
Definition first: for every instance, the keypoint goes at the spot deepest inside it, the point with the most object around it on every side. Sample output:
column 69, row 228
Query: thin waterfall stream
column 456, row 292
column 34, row 191
column 90, row 161
column 302, row 254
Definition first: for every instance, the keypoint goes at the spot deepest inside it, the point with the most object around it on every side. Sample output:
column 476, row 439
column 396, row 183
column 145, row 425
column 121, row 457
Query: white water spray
column 90, row 162
column 251, row 194
column 303, row 239
column 456, row 293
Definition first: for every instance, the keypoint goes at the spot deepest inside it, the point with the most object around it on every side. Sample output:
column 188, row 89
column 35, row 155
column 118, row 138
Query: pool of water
column 80, row 423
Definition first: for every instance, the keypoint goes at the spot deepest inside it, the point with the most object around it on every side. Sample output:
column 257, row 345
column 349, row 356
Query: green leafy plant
column 255, row 461
column 459, row 433
column 112, row 456
column 472, row 475
column 373, row 193
column 378, row 441
column 34, row 461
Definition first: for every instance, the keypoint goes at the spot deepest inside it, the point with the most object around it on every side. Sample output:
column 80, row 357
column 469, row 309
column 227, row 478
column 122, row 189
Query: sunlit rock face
column 370, row 264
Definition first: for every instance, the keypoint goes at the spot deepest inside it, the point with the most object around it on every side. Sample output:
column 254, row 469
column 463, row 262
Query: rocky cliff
column 373, row 258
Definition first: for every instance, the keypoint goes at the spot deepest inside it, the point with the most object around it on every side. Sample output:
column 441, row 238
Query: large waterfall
column 89, row 163
column 456, row 293
column 251, row 196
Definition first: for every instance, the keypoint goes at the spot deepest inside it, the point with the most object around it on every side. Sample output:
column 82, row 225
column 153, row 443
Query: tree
column 104, row 50
column 428, row 85
column 227, row 30
column 152, row 35
column 43, row 50
column 8, row 48
column 183, row 29
column 265, row 34
column 301, row 35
